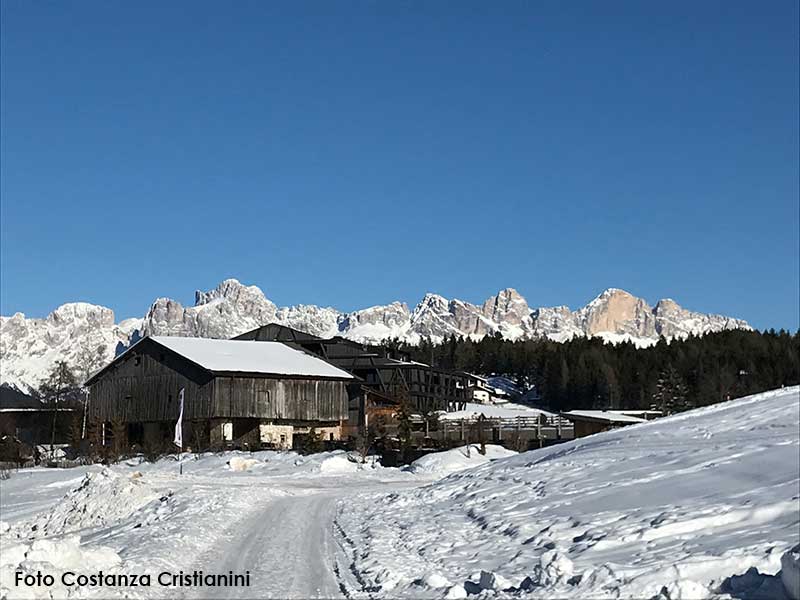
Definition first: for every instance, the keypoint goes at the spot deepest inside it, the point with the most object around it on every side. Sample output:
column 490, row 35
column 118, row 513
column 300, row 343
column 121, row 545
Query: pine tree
column 671, row 392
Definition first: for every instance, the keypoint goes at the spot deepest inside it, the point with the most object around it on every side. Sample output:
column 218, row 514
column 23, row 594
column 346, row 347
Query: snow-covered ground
column 677, row 507
column 269, row 513
column 674, row 506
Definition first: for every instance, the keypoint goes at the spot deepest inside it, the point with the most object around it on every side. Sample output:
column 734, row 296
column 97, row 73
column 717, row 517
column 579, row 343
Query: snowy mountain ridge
column 86, row 335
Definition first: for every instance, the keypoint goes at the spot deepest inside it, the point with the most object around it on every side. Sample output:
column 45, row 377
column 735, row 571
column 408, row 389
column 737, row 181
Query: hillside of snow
column 86, row 336
column 679, row 507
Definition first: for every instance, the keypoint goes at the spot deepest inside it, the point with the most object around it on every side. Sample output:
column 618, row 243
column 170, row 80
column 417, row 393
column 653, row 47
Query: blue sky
column 354, row 153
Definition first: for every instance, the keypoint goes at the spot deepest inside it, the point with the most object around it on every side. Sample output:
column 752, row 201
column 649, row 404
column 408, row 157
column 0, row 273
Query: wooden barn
column 237, row 393
column 383, row 375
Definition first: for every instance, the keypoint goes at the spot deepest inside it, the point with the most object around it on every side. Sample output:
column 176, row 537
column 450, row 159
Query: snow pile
column 339, row 463
column 681, row 507
column 336, row 462
column 450, row 461
column 239, row 464
column 51, row 557
column 100, row 498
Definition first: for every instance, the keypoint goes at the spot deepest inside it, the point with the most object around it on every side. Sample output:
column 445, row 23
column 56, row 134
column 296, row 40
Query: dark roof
column 274, row 332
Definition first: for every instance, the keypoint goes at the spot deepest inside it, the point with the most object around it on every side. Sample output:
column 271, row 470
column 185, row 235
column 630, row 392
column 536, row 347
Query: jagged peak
column 228, row 289
column 505, row 296
column 613, row 291
column 509, row 291
column 431, row 299
column 163, row 300
column 607, row 295
column 667, row 302
column 71, row 310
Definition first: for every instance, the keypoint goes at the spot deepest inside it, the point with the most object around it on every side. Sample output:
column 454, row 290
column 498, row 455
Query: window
column 137, row 360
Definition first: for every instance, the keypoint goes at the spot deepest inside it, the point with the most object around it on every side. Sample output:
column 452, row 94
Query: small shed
column 32, row 421
column 240, row 393
column 588, row 422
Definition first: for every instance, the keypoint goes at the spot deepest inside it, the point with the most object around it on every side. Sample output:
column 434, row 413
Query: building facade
column 235, row 393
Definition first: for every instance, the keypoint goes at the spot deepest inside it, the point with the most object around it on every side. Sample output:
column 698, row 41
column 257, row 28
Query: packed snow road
column 270, row 514
column 287, row 546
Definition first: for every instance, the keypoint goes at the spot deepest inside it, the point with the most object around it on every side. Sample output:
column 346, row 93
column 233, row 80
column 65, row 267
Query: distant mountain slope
column 86, row 335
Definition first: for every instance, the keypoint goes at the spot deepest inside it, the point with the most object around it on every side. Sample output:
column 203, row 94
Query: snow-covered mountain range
column 86, row 336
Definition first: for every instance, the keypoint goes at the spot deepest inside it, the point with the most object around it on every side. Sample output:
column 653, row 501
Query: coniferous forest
column 588, row 373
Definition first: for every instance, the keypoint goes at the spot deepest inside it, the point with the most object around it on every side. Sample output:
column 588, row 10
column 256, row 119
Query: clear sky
column 353, row 153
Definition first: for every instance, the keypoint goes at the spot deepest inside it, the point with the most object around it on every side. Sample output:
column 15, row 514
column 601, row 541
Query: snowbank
column 674, row 507
column 450, row 461
column 99, row 499
column 51, row 557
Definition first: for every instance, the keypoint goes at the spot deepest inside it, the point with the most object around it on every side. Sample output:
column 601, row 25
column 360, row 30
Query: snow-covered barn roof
column 238, row 356
column 263, row 358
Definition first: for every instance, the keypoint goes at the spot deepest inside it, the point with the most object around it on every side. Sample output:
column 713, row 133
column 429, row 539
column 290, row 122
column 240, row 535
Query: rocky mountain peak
column 70, row 312
column 29, row 347
column 617, row 311
column 234, row 291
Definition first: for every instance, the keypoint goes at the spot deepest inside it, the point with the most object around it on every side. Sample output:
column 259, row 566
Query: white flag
column 179, row 425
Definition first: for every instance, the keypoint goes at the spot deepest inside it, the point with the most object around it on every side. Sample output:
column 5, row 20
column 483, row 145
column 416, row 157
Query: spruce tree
column 670, row 395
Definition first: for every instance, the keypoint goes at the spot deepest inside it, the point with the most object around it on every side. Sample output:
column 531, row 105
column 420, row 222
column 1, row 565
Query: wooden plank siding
column 144, row 387
column 272, row 398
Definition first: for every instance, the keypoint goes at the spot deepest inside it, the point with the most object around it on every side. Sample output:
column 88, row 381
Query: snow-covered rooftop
column 506, row 411
column 273, row 358
column 603, row 415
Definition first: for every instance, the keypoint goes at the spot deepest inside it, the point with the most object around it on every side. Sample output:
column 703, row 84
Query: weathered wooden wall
column 292, row 399
column 145, row 387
